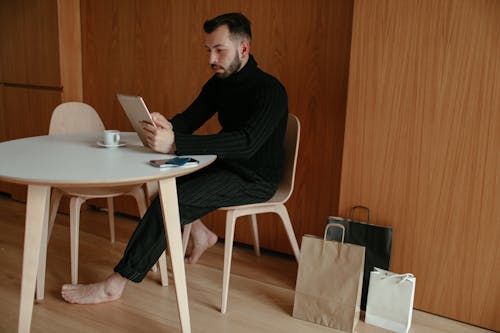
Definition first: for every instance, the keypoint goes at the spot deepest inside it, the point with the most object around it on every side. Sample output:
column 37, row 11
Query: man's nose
column 212, row 58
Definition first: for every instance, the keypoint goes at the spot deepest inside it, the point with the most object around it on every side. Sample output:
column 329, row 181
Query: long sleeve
column 252, row 108
column 196, row 114
column 241, row 143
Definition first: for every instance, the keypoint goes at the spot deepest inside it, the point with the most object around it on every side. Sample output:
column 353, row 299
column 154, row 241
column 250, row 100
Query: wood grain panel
column 41, row 42
column 4, row 187
column 3, row 125
column 70, row 49
column 28, row 111
column 29, row 42
column 42, row 103
column 29, row 60
column 12, row 30
column 16, row 109
column 156, row 49
column 422, row 145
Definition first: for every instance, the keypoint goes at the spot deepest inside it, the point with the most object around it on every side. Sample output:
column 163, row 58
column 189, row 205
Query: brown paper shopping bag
column 329, row 280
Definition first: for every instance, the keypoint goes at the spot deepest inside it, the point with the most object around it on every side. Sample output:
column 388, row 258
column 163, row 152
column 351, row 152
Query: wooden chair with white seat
column 274, row 205
column 77, row 117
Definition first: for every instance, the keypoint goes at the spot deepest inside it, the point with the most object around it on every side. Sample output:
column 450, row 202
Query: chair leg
column 162, row 262
column 75, row 204
column 283, row 213
column 55, row 199
column 111, row 218
column 255, row 233
column 151, row 191
column 140, row 197
column 228, row 252
column 186, row 231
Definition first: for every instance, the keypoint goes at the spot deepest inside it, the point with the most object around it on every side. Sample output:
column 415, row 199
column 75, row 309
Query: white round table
column 76, row 160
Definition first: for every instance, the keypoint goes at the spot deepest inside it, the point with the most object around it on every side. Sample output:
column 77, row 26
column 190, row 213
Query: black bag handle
column 353, row 208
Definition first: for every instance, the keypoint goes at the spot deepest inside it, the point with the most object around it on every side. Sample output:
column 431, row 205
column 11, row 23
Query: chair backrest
column 75, row 117
column 291, row 143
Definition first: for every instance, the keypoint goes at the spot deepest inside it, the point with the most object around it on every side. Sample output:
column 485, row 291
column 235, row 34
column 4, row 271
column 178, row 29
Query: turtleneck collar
column 243, row 74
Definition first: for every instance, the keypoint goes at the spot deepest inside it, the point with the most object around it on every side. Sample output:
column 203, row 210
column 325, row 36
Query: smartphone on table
column 174, row 162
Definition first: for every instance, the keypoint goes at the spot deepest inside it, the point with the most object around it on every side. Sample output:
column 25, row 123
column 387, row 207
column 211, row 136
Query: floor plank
column 260, row 297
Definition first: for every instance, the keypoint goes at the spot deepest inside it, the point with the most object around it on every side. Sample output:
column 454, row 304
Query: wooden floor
column 260, row 298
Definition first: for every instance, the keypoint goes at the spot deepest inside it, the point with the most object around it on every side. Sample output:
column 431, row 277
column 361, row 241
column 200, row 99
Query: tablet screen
column 136, row 111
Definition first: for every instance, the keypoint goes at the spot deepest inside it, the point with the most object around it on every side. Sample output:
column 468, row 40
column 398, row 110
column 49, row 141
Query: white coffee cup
column 111, row 137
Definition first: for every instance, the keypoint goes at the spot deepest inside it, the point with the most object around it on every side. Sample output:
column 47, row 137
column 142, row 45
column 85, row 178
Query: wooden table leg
column 37, row 213
column 42, row 263
column 170, row 208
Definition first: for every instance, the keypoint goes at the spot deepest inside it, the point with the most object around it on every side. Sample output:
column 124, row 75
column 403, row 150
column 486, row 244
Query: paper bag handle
column 403, row 277
column 334, row 225
column 353, row 208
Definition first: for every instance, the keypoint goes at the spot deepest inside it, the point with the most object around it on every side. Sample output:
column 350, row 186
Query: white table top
column 77, row 160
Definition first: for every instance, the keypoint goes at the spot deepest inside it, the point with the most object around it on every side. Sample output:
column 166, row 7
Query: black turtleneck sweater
column 252, row 108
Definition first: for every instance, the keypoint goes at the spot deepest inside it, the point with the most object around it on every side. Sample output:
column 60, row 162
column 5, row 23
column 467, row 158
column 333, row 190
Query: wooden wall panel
column 29, row 71
column 28, row 111
column 70, row 49
column 13, row 59
column 42, row 103
column 29, row 42
column 3, row 125
column 4, row 187
column 41, row 42
column 16, row 108
column 422, row 145
column 156, row 49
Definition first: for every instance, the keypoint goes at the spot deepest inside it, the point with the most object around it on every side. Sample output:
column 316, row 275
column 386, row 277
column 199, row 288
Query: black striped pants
column 198, row 194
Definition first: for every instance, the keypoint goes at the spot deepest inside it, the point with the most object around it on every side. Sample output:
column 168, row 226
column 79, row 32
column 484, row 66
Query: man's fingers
column 159, row 139
column 161, row 121
column 148, row 127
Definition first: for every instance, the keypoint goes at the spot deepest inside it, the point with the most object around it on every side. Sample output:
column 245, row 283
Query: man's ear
column 244, row 48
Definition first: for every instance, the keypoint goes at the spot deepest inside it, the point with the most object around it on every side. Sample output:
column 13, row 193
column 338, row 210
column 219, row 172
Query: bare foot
column 202, row 239
column 105, row 291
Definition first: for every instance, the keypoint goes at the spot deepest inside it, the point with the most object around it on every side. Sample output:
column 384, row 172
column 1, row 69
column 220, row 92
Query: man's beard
column 233, row 67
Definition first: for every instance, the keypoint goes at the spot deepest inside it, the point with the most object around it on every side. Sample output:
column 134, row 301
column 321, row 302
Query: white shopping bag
column 390, row 300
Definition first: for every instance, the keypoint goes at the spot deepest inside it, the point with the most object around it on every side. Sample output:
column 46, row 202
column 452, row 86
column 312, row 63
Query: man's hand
column 160, row 121
column 160, row 138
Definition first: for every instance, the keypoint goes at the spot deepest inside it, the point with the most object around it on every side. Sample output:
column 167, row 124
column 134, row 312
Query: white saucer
column 121, row 144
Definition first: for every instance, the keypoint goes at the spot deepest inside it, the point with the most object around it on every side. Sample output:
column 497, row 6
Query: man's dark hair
column 237, row 23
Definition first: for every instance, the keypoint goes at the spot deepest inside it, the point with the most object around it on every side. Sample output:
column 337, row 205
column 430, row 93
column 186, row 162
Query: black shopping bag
column 376, row 239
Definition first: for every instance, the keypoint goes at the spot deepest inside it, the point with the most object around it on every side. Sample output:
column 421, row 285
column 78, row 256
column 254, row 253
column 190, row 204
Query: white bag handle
column 403, row 277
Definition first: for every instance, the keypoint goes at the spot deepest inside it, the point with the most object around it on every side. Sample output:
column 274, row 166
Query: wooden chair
column 274, row 205
column 76, row 117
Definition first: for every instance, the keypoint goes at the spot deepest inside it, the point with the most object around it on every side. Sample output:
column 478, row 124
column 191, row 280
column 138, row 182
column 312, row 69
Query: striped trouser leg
column 198, row 194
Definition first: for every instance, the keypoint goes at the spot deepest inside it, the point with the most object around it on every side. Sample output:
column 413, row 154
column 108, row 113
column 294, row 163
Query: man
column 252, row 109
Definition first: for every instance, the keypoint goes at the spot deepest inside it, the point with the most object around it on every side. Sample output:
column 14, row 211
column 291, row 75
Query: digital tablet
column 136, row 111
